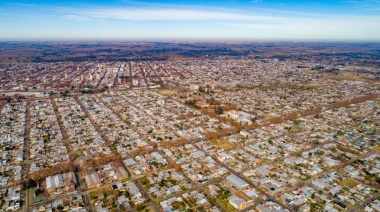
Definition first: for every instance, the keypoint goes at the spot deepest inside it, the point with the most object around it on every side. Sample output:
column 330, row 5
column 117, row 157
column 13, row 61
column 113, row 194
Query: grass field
column 309, row 71
column 314, row 85
column 376, row 148
column 224, row 145
column 96, row 193
column 166, row 92
column 219, row 91
column 346, row 77
column 348, row 183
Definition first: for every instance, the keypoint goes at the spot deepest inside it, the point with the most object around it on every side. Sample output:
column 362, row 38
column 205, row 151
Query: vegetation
column 31, row 183
column 218, row 110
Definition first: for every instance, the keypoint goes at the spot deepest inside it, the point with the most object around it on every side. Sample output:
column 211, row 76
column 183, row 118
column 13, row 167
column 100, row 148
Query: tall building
column 213, row 85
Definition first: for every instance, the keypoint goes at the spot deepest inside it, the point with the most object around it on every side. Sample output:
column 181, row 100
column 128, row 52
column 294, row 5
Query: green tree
column 31, row 183
column 218, row 110
column 140, row 207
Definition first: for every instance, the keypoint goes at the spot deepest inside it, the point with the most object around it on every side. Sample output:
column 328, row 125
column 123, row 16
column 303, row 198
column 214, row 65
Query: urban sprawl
column 208, row 134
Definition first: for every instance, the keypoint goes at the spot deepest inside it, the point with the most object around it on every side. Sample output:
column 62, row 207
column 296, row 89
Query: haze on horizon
column 318, row 20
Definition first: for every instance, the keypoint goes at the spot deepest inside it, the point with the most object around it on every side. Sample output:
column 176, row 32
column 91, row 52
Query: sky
column 208, row 20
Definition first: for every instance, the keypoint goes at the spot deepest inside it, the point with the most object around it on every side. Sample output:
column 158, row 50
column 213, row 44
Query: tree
column 31, row 183
column 182, row 141
column 218, row 110
column 296, row 122
column 213, row 136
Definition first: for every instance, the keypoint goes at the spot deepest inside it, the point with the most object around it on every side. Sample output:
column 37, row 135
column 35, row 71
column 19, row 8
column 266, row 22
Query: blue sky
column 343, row 20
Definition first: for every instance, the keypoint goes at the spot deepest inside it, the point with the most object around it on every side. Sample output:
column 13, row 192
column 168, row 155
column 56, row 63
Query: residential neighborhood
column 213, row 135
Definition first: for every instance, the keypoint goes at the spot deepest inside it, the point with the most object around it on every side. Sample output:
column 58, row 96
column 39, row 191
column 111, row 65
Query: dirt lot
column 376, row 148
column 166, row 92
column 224, row 145
column 309, row 71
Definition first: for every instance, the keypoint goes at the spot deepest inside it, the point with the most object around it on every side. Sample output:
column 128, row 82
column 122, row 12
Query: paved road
column 114, row 83
column 357, row 208
column 268, row 196
column 65, row 137
column 101, row 79
column 26, row 156
column 143, row 74
column 108, row 142
column 152, row 203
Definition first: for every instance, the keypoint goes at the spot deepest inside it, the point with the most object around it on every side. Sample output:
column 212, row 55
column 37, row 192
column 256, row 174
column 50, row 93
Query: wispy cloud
column 347, row 28
column 23, row 4
column 256, row 1
column 369, row 5
column 80, row 18
column 235, row 22
column 163, row 14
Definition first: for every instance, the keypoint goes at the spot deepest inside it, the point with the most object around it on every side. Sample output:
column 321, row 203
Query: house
column 130, row 162
column 238, row 203
column 261, row 208
column 198, row 154
column 335, row 190
column 329, row 162
column 224, row 157
column 304, row 208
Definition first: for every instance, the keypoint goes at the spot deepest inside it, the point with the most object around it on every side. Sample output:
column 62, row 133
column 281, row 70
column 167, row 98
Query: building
column 61, row 183
column 92, row 180
column 241, row 116
column 194, row 87
column 55, row 184
column 238, row 203
column 237, row 182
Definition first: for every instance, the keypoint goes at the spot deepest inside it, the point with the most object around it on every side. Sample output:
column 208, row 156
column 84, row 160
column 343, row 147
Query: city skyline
column 344, row 20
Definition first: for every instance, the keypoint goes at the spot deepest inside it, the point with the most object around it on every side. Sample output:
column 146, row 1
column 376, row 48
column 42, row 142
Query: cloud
column 368, row 5
column 346, row 27
column 23, row 4
column 256, row 1
column 79, row 18
column 167, row 14
column 258, row 23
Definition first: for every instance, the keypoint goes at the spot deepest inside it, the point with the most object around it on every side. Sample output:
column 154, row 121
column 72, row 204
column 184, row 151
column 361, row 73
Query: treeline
column 316, row 110
column 354, row 100
column 44, row 173
column 100, row 58
column 99, row 161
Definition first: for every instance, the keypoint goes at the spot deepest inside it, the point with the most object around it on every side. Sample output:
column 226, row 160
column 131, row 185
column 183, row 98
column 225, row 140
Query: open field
column 314, row 85
column 224, row 145
column 309, row 71
column 377, row 100
column 166, row 92
column 348, row 183
column 96, row 193
column 376, row 148
column 346, row 77
column 219, row 91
